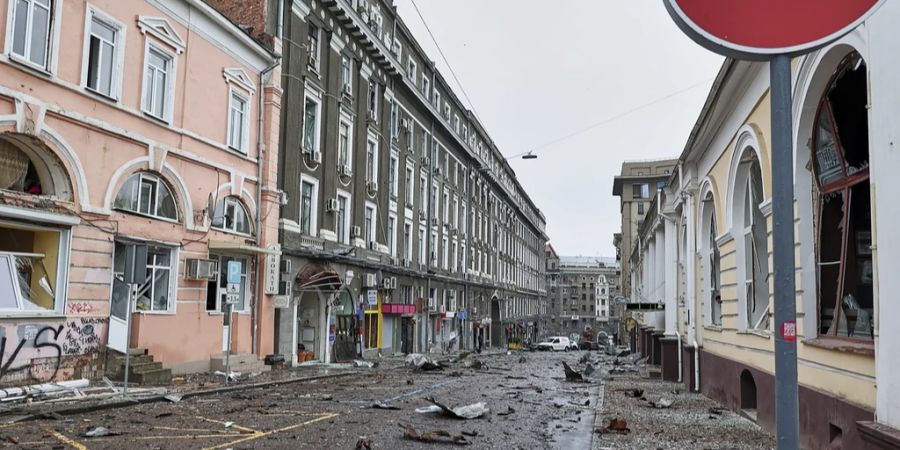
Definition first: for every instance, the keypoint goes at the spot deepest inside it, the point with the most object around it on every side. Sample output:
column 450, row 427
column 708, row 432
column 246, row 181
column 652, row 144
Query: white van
column 556, row 343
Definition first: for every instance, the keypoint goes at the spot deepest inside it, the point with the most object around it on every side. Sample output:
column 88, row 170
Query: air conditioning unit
column 373, row 246
column 393, row 282
column 347, row 90
column 355, row 232
column 386, row 283
column 370, row 115
column 404, row 122
column 201, row 269
column 434, row 221
column 344, row 170
column 425, row 161
column 371, row 280
column 316, row 157
column 285, row 266
column 372, row 186
column 437, row 171
column 443, row 308
column 404, row 262
column 331, row 205
column 313, row 61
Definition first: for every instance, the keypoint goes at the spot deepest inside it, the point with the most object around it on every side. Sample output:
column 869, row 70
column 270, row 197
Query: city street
column 531, row 406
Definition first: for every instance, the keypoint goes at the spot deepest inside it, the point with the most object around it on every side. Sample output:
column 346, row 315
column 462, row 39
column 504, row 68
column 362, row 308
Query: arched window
column 752, row 236
column 841, row 163
column 232, row 216
column 147, row 194
column 27, row 165
column 711, row 261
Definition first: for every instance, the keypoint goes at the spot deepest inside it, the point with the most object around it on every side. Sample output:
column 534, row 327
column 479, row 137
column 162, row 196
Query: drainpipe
column 261, row 150
column 680, row 371
column 696, row 365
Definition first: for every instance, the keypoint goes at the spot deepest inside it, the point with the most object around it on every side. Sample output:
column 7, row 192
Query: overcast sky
column 540, row 70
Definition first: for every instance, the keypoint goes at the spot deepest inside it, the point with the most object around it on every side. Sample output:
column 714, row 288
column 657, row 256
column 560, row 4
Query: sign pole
column 786, row 392
column 132, row 295
column 228, row 308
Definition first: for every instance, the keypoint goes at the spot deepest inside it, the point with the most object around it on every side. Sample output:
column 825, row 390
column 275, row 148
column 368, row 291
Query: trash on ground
column 522, row 359
column 572, row 375
column 584, row 358
column 509, row 410
column 588, row 369
column 474, row 363
column 472, row 411
column 232, row 375
column 228, row 424
column 438, row 436
column 174, row 398
column 717, row 410
column 636, row 393
column 100, row 432
column 364, row 364
column 418, row 361
column 379, row 405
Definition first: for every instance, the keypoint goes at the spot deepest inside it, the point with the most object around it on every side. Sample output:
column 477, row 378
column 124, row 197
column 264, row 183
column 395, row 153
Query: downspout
column 261, row 150
column 680, row 370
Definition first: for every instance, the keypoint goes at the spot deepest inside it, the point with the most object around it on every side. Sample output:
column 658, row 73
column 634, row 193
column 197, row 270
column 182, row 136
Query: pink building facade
column 132, row 122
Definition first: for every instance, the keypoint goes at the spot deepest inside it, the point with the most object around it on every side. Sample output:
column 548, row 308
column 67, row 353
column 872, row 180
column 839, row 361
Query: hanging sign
column 758, row 29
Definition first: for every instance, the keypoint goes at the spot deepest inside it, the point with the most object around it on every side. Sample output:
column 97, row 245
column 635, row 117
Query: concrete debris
column 470, row 433
column 379, row 405
column 364, row 364
column 509, row 410
column 363, row 443
column 522, row 359
column 174, row 398
column 662, row 403
column 418, row 361
column 636, row 393
column 100, row 432
column 438, row 437
column 472, row 362
column 588, row 369
column 232, row 376
column 43, row 390
column 717, row 410
column 228, row 424
column 585, row 358
column 472, row 411
column 572, row 375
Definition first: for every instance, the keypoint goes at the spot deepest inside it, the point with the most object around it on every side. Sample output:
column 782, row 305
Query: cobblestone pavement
column 531, row 404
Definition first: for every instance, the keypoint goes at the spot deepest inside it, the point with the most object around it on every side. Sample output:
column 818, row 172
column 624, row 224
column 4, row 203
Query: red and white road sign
column 789, row 331
column 757, row 29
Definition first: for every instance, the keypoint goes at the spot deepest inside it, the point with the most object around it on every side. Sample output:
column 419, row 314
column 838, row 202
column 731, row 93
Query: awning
column 316, row 277
column 237, row 247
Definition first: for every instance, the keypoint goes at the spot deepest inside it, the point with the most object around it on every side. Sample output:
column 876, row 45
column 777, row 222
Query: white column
column 650, row 272
column 670, row 263
column 659, row 290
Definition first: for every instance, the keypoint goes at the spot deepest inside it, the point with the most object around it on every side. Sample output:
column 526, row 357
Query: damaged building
column 703, row 251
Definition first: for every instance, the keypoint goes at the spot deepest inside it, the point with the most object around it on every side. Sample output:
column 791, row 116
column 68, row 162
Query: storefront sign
column 271, row 282
column 758, row 29
column 393, row 308
column 372, row 297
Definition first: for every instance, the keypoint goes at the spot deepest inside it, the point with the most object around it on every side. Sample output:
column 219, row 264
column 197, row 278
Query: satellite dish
column 210, row 207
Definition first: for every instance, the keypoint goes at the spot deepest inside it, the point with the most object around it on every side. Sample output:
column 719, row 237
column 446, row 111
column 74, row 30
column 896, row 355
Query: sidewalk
column 691, row 422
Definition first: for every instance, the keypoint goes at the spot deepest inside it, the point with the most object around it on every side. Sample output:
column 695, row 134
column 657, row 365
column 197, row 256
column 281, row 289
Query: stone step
column 158, row 376
column 236, row 361
column 142, row 369
column 119, row 360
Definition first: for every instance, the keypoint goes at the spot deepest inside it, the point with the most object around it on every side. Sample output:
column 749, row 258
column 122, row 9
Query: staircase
column 142, row 369
column 243, row 363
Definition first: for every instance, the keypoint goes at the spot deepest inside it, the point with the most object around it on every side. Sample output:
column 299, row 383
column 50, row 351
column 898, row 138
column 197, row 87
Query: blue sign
column 463, row 315
column 234, row 272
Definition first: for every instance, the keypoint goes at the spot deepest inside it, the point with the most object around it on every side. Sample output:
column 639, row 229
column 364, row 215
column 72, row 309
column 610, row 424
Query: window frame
column 247, row 279
column 346, row 70
column 234, row 93
column 408, row 239
column 371, row 229
column 174, row 262
column 316, row 98
column 372, row 167
column 93, row 13
column 391, row 233
column 394, row 177
column 344, row 218
column 313, row 205
column 53, row 31
column 150, row 46
column 238, row 204
column 159, row 181
column 314, row 59
column 410, row 188
column 345, row 121
column 62, row 271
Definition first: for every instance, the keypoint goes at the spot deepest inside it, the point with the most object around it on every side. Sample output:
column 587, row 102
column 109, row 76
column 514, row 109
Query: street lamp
column 526, row 155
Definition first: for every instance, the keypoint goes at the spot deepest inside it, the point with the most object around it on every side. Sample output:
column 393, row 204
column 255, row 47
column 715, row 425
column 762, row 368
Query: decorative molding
column 238, row 76
column 161, row 29
column 766, row 207
column 724, row 238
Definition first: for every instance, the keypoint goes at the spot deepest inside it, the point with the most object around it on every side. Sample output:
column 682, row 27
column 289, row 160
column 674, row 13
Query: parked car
column 557, row 343
column 588, row 345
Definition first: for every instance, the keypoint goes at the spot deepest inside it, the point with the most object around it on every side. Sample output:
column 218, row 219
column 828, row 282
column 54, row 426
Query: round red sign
column 757, row 29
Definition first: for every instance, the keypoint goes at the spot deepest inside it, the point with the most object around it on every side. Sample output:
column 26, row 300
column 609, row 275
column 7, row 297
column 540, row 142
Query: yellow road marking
column 259, row 434
column 200, row 430
column 67, row 441
column 235, row 426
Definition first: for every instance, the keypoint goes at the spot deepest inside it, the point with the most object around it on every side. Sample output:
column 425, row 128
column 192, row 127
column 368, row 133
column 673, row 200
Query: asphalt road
column 531, row 404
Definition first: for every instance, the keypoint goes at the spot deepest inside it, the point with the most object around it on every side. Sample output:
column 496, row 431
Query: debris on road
column 100, row 432
column 635, row 393
column 418, row 361
column 584, row 358
column 472, row 411
column 522, row 359
column 588, row 369
column 228, row 424
column 717, row 410
column 363, row 443
column 232, row 376
column 174, row 398
column 439, row 436
column 379, row 405
column 509, row 410
column 572, row 375
column 474, row 363
column 663, row 403
column 617, row 425
column 364, row 364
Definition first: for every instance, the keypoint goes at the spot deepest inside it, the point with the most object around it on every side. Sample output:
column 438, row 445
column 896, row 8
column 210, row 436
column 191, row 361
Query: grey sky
column 539, row 70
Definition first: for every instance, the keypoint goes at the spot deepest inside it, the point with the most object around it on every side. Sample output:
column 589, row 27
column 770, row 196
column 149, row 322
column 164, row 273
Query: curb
column 159, row 398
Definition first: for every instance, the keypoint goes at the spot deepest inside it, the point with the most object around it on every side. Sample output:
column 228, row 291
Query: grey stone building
column 635, row 186
column 583, row 289
column 406, row 228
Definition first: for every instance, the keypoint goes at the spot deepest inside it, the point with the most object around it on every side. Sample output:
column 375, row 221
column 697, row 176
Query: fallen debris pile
column 418, row 361
column 572, row 375
column 616, row 425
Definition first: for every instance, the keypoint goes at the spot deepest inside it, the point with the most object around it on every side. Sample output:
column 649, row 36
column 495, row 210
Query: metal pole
column 786, row 400
column 228, row 307
column 132, row 294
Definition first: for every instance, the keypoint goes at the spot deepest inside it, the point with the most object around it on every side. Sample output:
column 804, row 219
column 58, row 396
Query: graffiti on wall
column 35, row 351
column 80, row 308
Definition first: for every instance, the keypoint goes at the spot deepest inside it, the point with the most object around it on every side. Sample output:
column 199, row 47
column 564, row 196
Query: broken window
column 844, row 251
column 147, row 194
column 17, row 171
column 30, row 262
column 715, row 298
column 755, row 235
